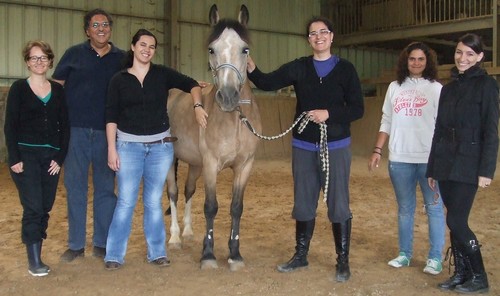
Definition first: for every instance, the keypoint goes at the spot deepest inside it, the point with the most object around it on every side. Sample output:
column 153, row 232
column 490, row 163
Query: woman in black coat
column 464, row 155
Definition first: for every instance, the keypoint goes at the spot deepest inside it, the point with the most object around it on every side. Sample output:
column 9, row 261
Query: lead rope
column 323, row 142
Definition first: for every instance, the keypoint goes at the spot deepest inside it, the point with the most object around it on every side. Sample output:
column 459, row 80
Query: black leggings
column 458, row 198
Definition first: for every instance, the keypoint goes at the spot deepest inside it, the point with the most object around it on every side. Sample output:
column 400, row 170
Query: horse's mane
column 241, row 30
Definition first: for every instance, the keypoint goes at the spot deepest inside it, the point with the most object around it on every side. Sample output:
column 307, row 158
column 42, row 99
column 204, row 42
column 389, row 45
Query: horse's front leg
column 241, row 175
column 210, row 208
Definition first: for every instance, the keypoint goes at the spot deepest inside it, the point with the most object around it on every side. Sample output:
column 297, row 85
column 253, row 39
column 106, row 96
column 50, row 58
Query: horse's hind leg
column 176, row 166
column 172, row 192
column 194, row 173
column 241, row 175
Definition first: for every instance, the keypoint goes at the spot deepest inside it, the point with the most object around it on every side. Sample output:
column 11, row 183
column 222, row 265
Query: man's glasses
column 103, row 25
column 321, row 33
column 35, row 59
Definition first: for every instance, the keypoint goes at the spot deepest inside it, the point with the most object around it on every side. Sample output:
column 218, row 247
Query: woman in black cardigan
column 464, row 155
column 37, row 136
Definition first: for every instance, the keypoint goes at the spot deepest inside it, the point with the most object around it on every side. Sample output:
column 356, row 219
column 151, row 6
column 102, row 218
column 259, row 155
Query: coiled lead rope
column 323, row 142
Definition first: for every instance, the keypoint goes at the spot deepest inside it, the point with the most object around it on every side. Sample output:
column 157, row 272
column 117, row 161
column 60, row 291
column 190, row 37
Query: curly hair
column 88, row 16
column 430, row 71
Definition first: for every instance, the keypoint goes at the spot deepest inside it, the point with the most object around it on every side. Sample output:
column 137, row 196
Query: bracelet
column 376, row 152
column 197, row 105
column 377, row 148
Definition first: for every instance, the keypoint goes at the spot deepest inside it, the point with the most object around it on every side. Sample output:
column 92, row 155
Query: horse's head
column 228, row 53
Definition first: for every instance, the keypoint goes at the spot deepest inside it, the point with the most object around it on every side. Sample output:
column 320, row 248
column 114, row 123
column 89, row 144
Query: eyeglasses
column 321, row 33
column 103, row 25
column 35, row 59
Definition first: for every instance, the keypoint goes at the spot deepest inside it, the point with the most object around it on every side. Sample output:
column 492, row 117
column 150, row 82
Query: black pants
column 37, row 192
column 458, row 198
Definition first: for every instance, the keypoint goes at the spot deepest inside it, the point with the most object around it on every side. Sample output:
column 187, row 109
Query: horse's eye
column 246, row 50
column 211, row 51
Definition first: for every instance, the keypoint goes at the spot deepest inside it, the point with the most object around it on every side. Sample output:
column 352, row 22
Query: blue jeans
column 88, row 147
column 150, row 163
column 404, row 177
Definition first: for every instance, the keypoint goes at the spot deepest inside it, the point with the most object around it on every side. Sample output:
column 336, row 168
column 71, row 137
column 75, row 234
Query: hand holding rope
column 323, row 143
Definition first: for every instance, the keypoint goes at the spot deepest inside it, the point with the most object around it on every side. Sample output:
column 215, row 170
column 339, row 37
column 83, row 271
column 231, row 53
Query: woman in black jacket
column 464, row 155
column 329, row 90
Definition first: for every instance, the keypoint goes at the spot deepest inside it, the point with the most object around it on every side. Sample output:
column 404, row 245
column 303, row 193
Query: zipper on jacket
column 321, row 80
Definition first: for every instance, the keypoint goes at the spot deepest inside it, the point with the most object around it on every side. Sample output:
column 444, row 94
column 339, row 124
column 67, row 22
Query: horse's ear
column 213, row 15
column 244, row 15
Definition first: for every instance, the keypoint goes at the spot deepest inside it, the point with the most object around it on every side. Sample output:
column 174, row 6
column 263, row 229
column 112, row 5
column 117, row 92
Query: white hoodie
column 409, row 117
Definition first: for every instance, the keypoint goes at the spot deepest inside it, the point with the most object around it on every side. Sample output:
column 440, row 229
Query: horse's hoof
column 235, row 265
column 187, row 233
column 175, row 246
column 209, row 264
column 187, row 237
column 174, row 241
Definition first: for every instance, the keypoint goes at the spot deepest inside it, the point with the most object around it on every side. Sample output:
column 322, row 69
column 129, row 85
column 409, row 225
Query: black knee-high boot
column 36, row 266
column 342, row 238
column 303, row 233
column 478, row 282
column 461, row 273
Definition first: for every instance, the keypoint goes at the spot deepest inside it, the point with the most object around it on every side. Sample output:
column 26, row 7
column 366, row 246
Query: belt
column 166, row 139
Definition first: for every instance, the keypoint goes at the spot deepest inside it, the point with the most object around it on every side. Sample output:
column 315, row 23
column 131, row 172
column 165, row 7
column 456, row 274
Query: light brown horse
column 224, row 143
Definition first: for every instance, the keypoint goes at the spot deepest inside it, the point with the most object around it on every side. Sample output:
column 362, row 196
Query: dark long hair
column 430, row 71
column 129, row 57
column 473, row 41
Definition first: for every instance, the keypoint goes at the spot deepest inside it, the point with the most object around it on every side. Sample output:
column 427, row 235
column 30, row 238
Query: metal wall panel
column 277, row 30
column 60, row 22
column 368, row 62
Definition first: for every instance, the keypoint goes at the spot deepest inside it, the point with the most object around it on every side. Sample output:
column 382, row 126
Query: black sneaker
column 39, row 270
column 99, row 252
column 70, row 255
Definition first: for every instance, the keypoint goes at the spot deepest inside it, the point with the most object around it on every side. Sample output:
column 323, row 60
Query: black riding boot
column 303, row 234
column 342, row 238
column 36, row 266
column 461, row 273
column 478, row 282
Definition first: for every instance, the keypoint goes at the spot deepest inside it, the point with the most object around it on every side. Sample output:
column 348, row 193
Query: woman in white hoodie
column 408, row 120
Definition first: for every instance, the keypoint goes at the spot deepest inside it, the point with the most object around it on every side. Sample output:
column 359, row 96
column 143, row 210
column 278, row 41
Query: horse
column 224, row 143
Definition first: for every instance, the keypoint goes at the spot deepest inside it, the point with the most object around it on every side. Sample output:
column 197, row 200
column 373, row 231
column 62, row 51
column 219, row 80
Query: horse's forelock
column 217, row 30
